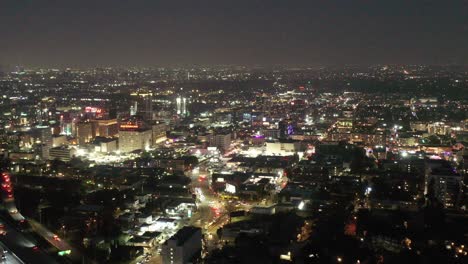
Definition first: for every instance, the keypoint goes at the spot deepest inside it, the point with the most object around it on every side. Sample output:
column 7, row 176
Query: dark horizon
column 151, row 33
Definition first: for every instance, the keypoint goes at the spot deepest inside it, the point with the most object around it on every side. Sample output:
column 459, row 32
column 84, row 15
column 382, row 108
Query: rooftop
column 184, row 234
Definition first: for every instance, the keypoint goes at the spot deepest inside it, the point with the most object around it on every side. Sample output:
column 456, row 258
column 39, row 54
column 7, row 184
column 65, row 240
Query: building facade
column 183, row 247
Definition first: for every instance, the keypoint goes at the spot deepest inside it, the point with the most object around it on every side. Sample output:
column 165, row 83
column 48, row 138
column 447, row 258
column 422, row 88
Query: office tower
column 147, row 112
column 43, row 135
column 181, row 106
column 84, row 132
column 134, row 135
column 105, row 127
column 134, row 109
column 159, row 132
column 221, row 141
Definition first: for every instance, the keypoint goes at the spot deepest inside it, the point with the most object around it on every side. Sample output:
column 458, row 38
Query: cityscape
column 185, row 160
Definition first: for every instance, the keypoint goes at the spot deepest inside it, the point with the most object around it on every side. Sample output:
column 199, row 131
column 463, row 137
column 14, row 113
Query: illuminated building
column 282, row 147
column 171, row 165
column 365, row 138
column 106, row 145
column 147, row 111
column 105, row 127
column 59, row 141
column 159, row 132
column 418, row 126
column 181, row 106
column 43, row 135
column 94, row 112
column 221, row 141
column 43, row 151
column 271, row 133
column 61, row 153
column 133, row 135
column 142, row 105
column 45, row 109
column 438, row 128
column 67, row 127
column 182, row 247
column 84, row 132
column 258, row 140
column 133, row 109
column 444, row 184
column 131, row 140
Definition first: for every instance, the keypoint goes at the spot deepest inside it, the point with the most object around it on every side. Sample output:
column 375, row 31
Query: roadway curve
column 20, row 248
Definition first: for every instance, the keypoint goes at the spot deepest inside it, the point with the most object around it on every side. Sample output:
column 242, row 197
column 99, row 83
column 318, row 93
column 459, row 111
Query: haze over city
column 163, row 33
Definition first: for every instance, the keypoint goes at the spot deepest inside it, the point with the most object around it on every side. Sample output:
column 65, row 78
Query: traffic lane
column 212, row 238
column 23, row 247
column 57, row 242
column 49, row 236
column 10, row 257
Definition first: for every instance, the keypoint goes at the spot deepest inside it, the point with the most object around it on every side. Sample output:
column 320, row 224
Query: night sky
column 197, row 32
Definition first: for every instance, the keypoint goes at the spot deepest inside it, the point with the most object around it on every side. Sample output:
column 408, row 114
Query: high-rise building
column 147, row 111
column 181, row 106
column 445, row 185
column 42, row 150
column 134, row 135
column 45, row 110
column 142, row 105
column 134, row 108
column 159, row 132
column 137, row 139
column 105, row 127
column 84, row 132
column 221, row 141
column 43, row 135
column 64, row 153
column 183, row 247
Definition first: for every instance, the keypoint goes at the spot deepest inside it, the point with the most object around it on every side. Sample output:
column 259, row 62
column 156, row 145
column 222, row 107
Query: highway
column 22, row 249
column 10, row 206
column 10, row 257
column 15, row 240
column 58, row 243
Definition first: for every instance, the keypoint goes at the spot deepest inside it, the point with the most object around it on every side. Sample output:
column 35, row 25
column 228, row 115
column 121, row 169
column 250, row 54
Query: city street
column 10, row 257
column 211, row 213
column 21, row 249
column 57, row 242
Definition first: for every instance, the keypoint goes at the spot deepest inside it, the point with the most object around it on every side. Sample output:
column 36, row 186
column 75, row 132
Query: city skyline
column 234, row 132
